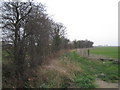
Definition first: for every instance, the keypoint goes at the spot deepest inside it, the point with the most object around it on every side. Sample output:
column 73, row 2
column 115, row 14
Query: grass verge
column 72, row 71
column 107, row 71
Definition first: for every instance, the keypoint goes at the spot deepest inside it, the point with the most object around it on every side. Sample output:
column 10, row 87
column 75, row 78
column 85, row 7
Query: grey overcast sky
column 95, row 20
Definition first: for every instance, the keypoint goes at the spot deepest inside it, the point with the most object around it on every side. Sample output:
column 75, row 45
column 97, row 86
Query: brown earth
column 102, row 84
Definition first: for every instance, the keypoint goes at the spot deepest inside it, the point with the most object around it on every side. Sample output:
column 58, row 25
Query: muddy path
column 102, row 84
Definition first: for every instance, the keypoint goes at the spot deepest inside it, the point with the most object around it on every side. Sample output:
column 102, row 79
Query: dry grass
column 52, row 56
column 57, row 73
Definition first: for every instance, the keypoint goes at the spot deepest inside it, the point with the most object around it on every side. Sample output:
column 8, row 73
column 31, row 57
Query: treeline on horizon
column 29, row 35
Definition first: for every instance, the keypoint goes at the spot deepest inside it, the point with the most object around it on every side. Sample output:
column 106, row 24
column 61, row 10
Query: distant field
column 106, row 51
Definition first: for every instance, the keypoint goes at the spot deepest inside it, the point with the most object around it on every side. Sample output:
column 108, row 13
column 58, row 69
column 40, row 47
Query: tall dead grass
column 58, row 73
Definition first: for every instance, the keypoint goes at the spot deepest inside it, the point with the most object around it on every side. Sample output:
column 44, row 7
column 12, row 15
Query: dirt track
column 102, row 84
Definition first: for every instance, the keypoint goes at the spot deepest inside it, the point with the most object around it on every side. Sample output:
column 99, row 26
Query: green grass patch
column 84, row 80
column 107, row 71
column 106, row 51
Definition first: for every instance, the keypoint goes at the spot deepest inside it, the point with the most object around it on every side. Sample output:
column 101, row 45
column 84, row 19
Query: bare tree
column 39, row 26
column 57, row 33
column 13, row 21
column 31, row 34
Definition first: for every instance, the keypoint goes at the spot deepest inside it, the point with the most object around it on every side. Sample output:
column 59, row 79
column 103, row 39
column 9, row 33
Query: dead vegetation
column 58, row 73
